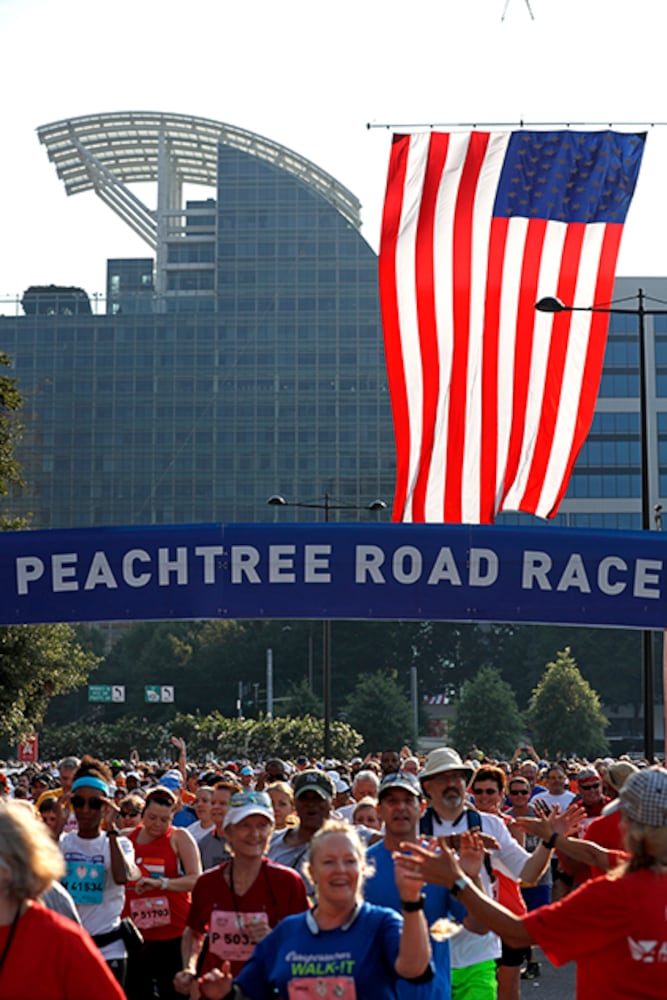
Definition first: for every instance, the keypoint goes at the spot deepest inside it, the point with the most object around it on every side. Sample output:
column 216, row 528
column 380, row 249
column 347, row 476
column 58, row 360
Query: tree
column 487, row 715
column 565, row 713
column 380, row 711
column 300, row 701
column 11, row 429
column 36, row 661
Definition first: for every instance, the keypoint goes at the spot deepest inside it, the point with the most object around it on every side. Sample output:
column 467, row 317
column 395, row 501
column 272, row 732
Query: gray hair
column 367, row 776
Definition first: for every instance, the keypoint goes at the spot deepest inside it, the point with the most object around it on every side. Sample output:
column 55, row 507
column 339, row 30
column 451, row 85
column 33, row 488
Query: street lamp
column 279, row 501
column 554, row 305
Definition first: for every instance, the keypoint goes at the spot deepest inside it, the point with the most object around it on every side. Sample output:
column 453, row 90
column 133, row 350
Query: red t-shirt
column 160, row 916
column 277, row 892
column 615, row 929
column 53, row 958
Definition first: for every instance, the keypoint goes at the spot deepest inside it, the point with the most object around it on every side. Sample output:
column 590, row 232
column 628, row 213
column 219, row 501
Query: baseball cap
column 246, row 770
column 172, row 780
column 243, row 804
column 644, row 796
column 400, row 779
column 314, row 781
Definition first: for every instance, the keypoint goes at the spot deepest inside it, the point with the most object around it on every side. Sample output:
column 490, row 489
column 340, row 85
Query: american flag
column 492, row 400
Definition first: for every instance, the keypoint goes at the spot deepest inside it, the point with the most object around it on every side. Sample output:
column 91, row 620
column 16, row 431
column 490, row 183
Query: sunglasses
column 95, row 802
column 587, row 788
column 250, row 799
column 486, row 791
column 125, row 813
column 519, row 791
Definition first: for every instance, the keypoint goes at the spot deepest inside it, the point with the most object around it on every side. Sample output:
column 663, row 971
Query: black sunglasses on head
column 79, row 802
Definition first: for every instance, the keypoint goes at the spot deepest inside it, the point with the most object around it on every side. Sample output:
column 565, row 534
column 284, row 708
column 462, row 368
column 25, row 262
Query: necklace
column 12, row 930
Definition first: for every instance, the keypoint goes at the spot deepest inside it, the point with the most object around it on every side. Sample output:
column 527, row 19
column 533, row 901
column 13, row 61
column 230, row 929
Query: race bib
column 150, row 912
column 228, row 937
column 331, row 988
column 84, row 881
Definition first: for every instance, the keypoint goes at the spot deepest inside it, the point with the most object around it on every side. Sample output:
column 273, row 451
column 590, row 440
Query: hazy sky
column 310, row 75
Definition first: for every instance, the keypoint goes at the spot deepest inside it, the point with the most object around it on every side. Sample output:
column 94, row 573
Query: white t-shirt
column 197, row 831
column 466, row 948
column 90, row 883
column 563, row 800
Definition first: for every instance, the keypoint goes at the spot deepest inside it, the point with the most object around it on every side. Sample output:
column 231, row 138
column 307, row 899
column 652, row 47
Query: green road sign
column 99, row 692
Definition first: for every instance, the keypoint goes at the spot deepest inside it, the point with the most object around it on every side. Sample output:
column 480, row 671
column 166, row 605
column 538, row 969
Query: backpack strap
column 473, row 820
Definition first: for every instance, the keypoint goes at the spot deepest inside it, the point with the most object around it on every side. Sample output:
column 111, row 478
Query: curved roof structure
column 107, row 151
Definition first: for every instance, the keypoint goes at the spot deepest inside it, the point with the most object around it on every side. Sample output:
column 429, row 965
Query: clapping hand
column 217, row 983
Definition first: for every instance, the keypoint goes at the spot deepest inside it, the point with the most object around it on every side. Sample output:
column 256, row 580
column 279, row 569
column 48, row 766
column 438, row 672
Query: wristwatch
column 459, row 885
column 412, row 905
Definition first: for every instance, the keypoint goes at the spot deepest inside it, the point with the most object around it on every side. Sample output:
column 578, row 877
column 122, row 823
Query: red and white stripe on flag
column 491, row 399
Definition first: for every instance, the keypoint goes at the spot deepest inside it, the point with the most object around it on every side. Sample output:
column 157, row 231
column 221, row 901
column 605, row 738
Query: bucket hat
column 444, row 759
column 644, row 797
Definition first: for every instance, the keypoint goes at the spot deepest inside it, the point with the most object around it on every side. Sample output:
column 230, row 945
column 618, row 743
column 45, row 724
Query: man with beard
column 399, row 807
column 444, row 781
column 390, row 762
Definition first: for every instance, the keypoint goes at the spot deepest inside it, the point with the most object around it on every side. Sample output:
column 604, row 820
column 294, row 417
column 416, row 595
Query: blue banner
column 353, row 571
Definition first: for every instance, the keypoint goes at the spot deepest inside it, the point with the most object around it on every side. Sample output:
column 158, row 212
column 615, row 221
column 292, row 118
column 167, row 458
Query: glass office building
column 605, row 488
column 244, row 357
column 248, row 361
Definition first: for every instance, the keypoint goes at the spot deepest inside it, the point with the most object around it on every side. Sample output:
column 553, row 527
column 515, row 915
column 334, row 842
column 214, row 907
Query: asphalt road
column 553, row 984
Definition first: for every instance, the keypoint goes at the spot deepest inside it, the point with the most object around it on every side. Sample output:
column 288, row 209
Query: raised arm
column 414, row 953
column 445, row 869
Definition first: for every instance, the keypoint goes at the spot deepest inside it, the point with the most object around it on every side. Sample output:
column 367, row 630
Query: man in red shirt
column 590, row 796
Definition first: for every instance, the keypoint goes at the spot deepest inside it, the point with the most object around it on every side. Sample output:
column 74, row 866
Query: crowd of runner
column 396, row 876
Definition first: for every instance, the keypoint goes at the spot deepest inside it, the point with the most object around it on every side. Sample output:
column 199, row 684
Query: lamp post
column 279, row 501
column 554, row 305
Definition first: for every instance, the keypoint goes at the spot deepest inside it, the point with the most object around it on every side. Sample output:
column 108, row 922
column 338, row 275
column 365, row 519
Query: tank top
column 159, row 915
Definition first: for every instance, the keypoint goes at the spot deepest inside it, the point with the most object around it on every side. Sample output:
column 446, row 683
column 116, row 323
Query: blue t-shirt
column 381, row 889
column 363, row 950
column 184, row 817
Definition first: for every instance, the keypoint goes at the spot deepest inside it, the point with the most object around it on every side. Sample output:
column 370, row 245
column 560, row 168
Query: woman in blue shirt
column 344, row 948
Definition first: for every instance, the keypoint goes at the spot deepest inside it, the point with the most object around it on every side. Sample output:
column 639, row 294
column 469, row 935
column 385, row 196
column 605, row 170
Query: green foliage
column 214, row 734
column 487, row 715
column 565, row 713
column 379, row 709
column 107, row 740
column 11, row 430
column 36, row 663
column 301, row 700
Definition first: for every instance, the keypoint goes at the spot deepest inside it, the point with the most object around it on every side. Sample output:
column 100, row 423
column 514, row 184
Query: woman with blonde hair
column 70, row 967
column 344, row 947
column 282, row 798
